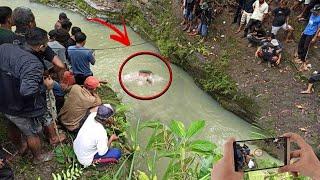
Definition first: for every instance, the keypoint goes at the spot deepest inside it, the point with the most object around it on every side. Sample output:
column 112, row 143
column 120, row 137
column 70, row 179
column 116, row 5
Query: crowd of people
column 46, row 82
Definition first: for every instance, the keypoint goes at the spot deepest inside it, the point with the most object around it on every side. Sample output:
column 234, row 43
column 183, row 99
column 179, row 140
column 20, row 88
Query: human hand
column 224, row 169
column 314, row 40
column 48, row 82
column 307, row 164
column 114, row 137
column 1, row 163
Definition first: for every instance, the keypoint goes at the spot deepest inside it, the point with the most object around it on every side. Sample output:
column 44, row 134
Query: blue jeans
column 203, row 29
column 111, row 153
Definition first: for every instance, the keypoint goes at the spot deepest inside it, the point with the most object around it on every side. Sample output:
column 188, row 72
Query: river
column 184, row 100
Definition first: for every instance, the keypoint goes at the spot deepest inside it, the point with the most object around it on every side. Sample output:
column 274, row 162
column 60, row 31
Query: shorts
column 28, row 126
column 285, row 27
column 314, row 78
column 306, row 2
column 203, row 29
column 245, row 18
column 111, row 153
column 188, row 14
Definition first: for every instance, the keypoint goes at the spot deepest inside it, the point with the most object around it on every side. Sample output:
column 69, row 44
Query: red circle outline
column 145, row 97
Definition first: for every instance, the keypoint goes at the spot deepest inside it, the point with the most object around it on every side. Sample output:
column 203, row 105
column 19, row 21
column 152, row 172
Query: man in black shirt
column 280, row 21
column 24, row 20
column 247, row 10
column 6, row 35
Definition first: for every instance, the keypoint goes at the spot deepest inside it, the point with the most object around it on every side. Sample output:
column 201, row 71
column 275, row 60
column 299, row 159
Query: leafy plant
column 70, row 173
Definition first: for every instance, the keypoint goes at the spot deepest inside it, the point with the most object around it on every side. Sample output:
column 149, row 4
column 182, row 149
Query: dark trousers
column 237, row 15
column 80, row 78
column 59, row 103
column 303, row 46
column 251, row 24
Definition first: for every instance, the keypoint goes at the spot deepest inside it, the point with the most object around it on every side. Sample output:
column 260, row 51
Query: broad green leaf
column 177, row 127
column 202, row 146
column 195, row 127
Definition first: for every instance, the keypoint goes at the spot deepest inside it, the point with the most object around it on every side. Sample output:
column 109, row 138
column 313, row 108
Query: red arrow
column 120, row 37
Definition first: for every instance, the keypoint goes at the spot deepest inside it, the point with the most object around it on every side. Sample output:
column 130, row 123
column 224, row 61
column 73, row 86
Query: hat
column 68, row 78
column 316, row 9
column 91, row 83
column 105, row 111
column 274, row 42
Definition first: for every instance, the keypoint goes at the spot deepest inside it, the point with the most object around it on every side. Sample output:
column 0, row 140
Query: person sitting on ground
column 62, row 16
column 81, row 58
column 308, row 36
column 281, row 20
column 24, row 20
column 92, row 144
column 78, row 104
column 6, row 172
column 307, row 165
column 313, row 79
column 260, row 11
column 257, row 37
column 23, row 93
column 270, row 52
column 247, row 11
column 205, row 17
column 6, row 34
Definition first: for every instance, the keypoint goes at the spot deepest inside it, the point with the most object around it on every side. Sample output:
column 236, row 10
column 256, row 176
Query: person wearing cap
column 308, row 36
column 270, row 52
column 92, row 144
column 80, row 100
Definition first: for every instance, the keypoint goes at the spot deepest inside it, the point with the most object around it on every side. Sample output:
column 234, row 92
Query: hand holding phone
column 259, row 154
column 224, row 169
column 307, row 164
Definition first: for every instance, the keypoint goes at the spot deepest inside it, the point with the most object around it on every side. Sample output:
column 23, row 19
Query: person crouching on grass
column 270, row 52
column 92, row 144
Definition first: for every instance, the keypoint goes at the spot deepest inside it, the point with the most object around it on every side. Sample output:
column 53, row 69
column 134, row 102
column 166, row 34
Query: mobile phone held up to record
column 259, row 154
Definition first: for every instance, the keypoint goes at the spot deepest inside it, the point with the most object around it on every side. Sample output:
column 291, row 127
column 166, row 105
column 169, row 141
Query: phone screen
column 252, row 155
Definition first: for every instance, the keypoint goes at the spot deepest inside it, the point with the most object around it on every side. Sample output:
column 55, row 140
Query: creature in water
column 143, row 77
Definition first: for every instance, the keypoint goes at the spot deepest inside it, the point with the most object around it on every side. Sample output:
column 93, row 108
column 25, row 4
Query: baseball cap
column 91, row 83
column 105, row 111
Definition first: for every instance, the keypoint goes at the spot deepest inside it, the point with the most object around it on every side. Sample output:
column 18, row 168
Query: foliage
column 72, row 172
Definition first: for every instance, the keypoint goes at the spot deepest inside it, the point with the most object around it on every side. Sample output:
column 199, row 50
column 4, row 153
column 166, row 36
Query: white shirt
column 251, row 164
column 259, row 10
column 91, row 139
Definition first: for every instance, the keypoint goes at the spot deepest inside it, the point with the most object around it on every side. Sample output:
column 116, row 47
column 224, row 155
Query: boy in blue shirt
column 81, row 58
column 308, row 36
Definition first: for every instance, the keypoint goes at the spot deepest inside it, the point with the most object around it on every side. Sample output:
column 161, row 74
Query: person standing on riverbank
column 62, row 16
column 24, row 20
column 260, row 10
column 23, row 92
column 6, row 34
column 81, row 58
column 308, row 36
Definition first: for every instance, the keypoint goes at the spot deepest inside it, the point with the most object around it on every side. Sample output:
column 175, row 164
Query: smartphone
column 259, row 154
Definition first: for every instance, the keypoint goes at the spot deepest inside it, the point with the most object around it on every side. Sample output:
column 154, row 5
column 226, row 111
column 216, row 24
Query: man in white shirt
column 92, row 144
column 261, row 9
